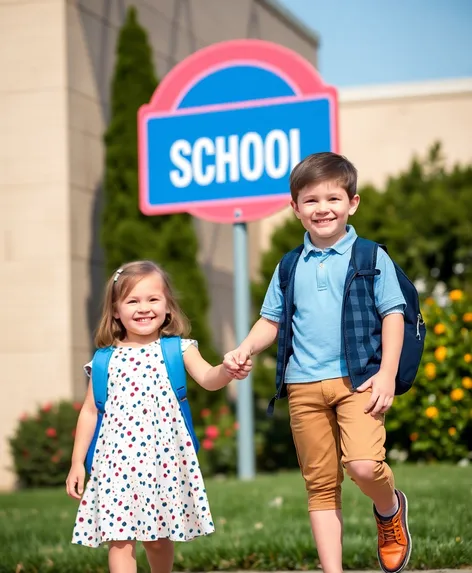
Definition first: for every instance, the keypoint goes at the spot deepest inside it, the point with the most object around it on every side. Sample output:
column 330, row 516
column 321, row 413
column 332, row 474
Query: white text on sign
column 232, row 158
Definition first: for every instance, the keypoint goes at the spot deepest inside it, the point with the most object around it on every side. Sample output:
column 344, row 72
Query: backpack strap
column 287, row 266
column 364, row 257
column 100, row 362
column 174, row 361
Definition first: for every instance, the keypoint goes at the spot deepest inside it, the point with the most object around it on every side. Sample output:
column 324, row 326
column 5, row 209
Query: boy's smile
column 323, row 210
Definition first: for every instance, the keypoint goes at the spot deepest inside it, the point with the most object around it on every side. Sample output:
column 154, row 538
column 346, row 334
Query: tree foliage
column 126, row 233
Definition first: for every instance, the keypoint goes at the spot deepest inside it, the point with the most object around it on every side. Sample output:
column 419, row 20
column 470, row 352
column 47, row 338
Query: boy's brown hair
column 321, row 167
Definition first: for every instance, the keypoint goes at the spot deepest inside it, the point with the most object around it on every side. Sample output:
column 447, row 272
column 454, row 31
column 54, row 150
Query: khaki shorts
column 330, row 428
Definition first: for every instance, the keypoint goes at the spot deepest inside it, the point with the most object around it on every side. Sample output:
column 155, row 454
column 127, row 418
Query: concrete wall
column 35, row 312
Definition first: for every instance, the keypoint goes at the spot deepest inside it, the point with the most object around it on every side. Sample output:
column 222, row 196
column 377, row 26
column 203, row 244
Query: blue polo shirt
column 319, row 288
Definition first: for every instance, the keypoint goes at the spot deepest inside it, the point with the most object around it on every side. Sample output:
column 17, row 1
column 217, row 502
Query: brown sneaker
column 394, row 538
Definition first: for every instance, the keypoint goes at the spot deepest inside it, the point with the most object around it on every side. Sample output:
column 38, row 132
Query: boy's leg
column 316, row 437
column 363, row 447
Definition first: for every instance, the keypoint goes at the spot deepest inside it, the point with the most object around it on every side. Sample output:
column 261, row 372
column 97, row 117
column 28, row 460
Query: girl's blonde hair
column 121, row 283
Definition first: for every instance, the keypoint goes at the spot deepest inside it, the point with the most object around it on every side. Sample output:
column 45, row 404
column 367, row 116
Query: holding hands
column 237, row 363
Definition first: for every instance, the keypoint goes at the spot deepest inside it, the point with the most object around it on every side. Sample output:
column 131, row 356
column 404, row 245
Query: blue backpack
column 363, row 262
column 173, row 360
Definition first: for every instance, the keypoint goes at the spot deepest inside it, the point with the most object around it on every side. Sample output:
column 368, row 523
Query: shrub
column 217, row 433
column 434, row 420
column 42, row 445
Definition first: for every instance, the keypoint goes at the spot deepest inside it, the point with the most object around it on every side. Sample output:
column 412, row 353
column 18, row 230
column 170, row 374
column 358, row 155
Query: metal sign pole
column 242, row 309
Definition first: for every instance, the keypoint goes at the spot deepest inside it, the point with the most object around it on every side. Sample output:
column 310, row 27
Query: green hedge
column 434, row 420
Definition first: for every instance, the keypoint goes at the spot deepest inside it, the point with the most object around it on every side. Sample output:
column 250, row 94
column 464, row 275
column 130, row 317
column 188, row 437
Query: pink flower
column 212, row 432
column 47, row 407
column 51, row 433
column 24, row 417
column 205, row 413
column 77, row 406
column 236, row 425
column 224, row 410
column 207, row 444
column 228, row 432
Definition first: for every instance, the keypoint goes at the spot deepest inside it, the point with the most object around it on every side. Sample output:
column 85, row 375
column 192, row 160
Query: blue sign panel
column 231, row 153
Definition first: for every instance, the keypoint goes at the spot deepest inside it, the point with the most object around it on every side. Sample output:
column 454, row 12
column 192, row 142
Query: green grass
column 252, row 533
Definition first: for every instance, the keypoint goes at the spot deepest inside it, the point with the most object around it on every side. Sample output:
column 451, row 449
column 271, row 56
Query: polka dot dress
column 145, row 482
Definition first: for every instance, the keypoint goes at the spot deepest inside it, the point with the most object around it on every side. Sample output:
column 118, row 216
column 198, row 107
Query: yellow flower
column 440, row 353
column 468, row 358
column 429, row 301
column 457, row 394
column 467, row 382
column 467, row 317
column 414, row 436
column 452, row 431
column 432, row 412
column 439, row 328
column 430, row 370
column 456, row 295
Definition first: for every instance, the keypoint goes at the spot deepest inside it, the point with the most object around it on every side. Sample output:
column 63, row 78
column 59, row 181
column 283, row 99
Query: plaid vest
column 361, row 323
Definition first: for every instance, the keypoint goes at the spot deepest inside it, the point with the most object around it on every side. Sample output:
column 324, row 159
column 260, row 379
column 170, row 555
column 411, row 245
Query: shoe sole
column 407, row 557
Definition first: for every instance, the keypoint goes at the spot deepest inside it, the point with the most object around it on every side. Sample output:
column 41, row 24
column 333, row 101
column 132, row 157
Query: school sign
column 225, row 128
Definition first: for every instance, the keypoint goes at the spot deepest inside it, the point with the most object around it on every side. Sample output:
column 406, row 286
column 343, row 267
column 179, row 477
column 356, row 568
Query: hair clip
column 117, row 275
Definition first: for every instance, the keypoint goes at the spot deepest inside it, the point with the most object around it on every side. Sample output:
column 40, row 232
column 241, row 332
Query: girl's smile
column 143, row 311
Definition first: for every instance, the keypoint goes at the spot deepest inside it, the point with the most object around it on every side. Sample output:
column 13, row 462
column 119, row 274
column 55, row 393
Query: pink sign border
column 290, row 66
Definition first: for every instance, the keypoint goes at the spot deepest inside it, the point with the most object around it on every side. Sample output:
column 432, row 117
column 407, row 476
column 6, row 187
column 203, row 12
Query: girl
column 145, row 484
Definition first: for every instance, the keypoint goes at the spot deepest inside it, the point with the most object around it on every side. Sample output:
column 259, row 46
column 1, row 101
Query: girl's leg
column 327, row 527
column 316, row 437
column 160, row 555
column 122, row 556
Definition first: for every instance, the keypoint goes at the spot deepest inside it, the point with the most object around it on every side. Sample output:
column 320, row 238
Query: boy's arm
column 383, row 383
column 392, row 342
column 262, row 335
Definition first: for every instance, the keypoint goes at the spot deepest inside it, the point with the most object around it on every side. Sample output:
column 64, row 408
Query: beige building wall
column 57, row 59
column 383, row 127
column 35, row 248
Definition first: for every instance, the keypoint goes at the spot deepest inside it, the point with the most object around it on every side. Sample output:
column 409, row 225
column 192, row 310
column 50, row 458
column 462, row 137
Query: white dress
column 145, row 483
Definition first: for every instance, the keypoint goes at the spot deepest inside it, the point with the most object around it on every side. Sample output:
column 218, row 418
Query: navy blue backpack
column 174, row 362
column 364, row 261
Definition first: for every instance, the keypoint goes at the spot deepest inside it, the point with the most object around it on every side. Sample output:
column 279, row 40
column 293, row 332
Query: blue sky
column 389, row 41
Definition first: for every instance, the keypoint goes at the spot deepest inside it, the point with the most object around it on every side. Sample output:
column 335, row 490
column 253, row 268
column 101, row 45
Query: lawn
column 261, row 525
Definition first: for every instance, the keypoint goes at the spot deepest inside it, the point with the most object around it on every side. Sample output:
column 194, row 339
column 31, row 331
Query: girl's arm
column 208, row 376
column 83, row 436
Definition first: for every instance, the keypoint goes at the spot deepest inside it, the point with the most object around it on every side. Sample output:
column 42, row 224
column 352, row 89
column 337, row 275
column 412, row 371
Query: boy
column 336, row 421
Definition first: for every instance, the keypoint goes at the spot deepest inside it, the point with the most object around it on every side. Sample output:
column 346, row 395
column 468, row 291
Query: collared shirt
column 319, row 288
